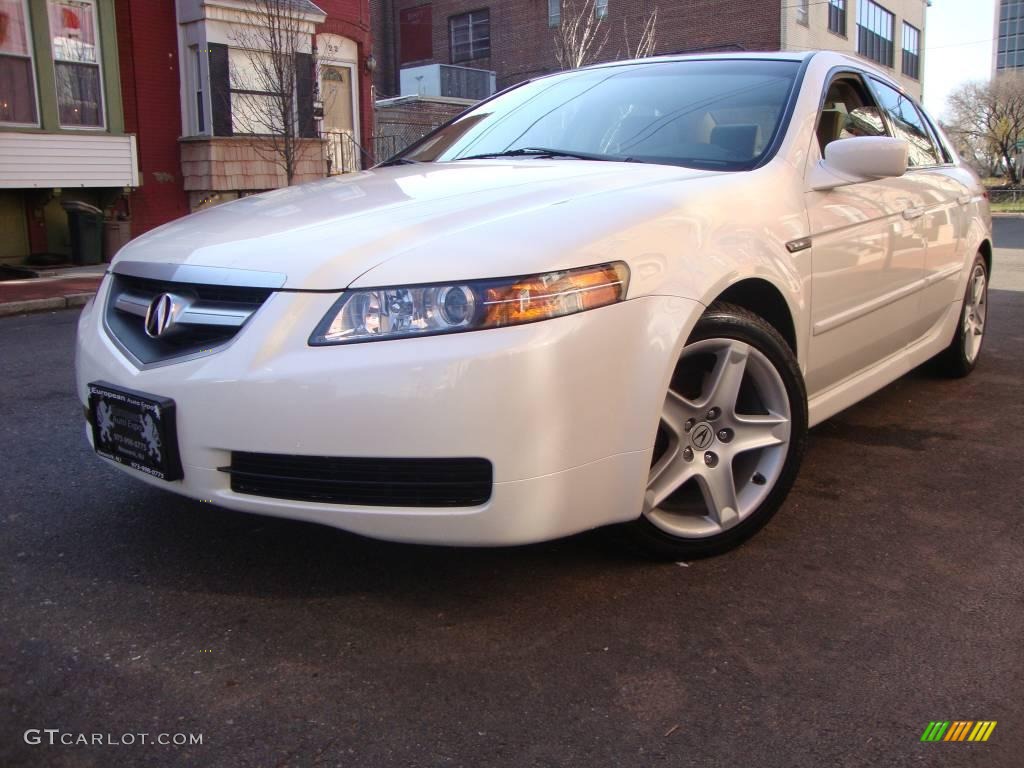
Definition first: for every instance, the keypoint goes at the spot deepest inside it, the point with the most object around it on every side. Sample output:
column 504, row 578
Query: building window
column 911, row 51
column 415, row 34
column 875, row 32
column 196, row 76
column 470, row 35
column 17, row 78
column 600, row 8
column 837, row 17
column 76, row 62
column 554, row 13
column 255, row 107
column 802, row 12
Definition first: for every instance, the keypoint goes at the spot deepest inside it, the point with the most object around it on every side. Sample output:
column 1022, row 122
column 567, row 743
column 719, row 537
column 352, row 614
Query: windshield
column 703, row 114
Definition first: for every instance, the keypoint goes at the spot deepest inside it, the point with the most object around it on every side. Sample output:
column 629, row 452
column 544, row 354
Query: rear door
column 868, row 250
column 942, row 217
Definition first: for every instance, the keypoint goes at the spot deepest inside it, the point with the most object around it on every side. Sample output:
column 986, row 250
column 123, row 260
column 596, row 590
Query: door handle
column 913, row 213
column 964, row 199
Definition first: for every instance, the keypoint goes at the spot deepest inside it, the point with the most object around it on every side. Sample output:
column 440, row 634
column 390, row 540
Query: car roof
column 836, row 58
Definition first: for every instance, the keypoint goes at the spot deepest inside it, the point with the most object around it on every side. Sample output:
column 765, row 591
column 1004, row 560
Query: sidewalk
column 64, row 289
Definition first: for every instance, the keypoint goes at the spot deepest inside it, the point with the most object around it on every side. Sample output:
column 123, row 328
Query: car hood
column 324, row 235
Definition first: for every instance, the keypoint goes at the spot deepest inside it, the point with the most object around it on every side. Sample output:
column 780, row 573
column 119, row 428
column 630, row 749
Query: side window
column 908, row 124
column 848, row 111
column 941, row 139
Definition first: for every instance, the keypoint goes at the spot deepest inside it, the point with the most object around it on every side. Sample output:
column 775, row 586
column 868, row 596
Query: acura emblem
column 162, row 313
column 702, row 436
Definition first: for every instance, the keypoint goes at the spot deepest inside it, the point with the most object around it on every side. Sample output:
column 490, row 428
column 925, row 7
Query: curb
column 71, row 301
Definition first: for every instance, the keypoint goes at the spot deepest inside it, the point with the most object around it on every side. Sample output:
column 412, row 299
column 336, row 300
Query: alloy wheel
column 722, row 441
column 974, row 313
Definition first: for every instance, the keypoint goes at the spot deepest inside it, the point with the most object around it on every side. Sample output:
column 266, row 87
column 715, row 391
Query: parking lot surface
column 887, row 593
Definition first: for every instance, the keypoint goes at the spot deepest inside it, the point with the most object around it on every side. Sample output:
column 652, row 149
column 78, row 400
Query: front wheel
column 730, row 440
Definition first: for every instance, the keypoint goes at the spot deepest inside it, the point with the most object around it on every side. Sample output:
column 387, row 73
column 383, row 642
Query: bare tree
column 275, row 59
column 581, row 35
column 648, row 38
column 990, row 117
column 976, row 152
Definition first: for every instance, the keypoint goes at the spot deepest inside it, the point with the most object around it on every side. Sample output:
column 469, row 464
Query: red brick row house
column 183, row 74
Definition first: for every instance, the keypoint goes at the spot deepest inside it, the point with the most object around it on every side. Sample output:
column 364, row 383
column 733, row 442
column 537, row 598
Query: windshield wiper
column 540, row 152
column 399, row 161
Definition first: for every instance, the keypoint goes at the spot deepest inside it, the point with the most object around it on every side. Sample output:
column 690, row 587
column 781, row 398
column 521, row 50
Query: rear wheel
column 960, row 357
column 730, row 440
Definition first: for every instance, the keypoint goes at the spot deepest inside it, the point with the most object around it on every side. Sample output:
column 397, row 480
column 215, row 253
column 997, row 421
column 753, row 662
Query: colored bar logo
column 958, row 730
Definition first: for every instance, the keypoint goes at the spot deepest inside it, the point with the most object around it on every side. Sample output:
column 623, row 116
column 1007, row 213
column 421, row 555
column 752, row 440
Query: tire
column 735, row 417
column 961, row 356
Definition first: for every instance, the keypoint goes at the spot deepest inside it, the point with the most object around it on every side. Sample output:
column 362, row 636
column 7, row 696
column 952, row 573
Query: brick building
column 515, row 38
column 150, row 80
column 178, row 69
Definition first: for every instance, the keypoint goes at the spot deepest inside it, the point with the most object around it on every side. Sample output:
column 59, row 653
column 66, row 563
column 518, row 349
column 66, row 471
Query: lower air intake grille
column 363, row 482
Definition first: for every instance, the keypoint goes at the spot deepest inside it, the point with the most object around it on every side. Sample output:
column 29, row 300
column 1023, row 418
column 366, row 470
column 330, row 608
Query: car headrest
column 830, row 125
column 740, row 139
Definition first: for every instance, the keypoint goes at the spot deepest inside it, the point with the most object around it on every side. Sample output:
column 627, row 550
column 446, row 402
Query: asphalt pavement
column 887, row 593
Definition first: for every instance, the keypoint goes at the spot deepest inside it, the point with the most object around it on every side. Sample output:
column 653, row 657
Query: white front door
column 339, row 127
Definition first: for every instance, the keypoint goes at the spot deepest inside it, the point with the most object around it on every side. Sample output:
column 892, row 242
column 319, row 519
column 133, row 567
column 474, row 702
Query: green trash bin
column 86, row 225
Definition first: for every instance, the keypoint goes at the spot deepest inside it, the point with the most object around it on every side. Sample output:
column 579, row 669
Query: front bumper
column 564, row 409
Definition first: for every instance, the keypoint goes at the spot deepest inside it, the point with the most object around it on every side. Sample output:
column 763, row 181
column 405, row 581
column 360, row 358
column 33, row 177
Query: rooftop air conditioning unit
column 448, row 80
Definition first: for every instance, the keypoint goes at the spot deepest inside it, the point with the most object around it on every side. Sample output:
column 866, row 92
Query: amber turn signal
column 554, row 294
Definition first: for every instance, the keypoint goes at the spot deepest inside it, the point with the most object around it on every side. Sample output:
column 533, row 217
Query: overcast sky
column 958, row 47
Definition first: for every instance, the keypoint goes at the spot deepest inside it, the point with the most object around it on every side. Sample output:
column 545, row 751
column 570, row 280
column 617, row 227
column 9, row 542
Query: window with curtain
column 17, row 83
column 76, row 59
column 803, row 12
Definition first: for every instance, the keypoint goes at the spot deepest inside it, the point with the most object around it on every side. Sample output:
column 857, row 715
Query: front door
column 869, row 249
column 339, row 123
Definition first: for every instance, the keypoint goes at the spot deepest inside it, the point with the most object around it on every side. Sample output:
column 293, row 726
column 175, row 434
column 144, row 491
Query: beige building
column 889, row 33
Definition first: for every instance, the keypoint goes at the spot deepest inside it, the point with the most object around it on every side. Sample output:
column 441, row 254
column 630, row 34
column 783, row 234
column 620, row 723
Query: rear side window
column 848, row 111
column 908, row 124
column 941, row 139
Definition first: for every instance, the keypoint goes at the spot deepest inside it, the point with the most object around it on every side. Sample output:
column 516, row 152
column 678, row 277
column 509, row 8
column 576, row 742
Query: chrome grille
column 206, row 316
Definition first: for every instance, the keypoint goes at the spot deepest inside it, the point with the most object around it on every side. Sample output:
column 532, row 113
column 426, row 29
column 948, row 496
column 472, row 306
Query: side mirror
column 861, row 158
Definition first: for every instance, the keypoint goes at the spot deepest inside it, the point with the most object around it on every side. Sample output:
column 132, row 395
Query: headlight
column 392, row 313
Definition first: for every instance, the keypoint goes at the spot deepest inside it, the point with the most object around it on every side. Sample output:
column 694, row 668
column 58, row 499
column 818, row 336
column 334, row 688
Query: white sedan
column 618, row 295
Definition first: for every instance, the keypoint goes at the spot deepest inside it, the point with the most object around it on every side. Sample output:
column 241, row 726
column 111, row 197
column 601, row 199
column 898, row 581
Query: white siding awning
column 49, row 160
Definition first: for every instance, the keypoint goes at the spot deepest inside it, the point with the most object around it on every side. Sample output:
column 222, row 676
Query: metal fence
column 405, row 133
column 343, row 154
column 1013, row 195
